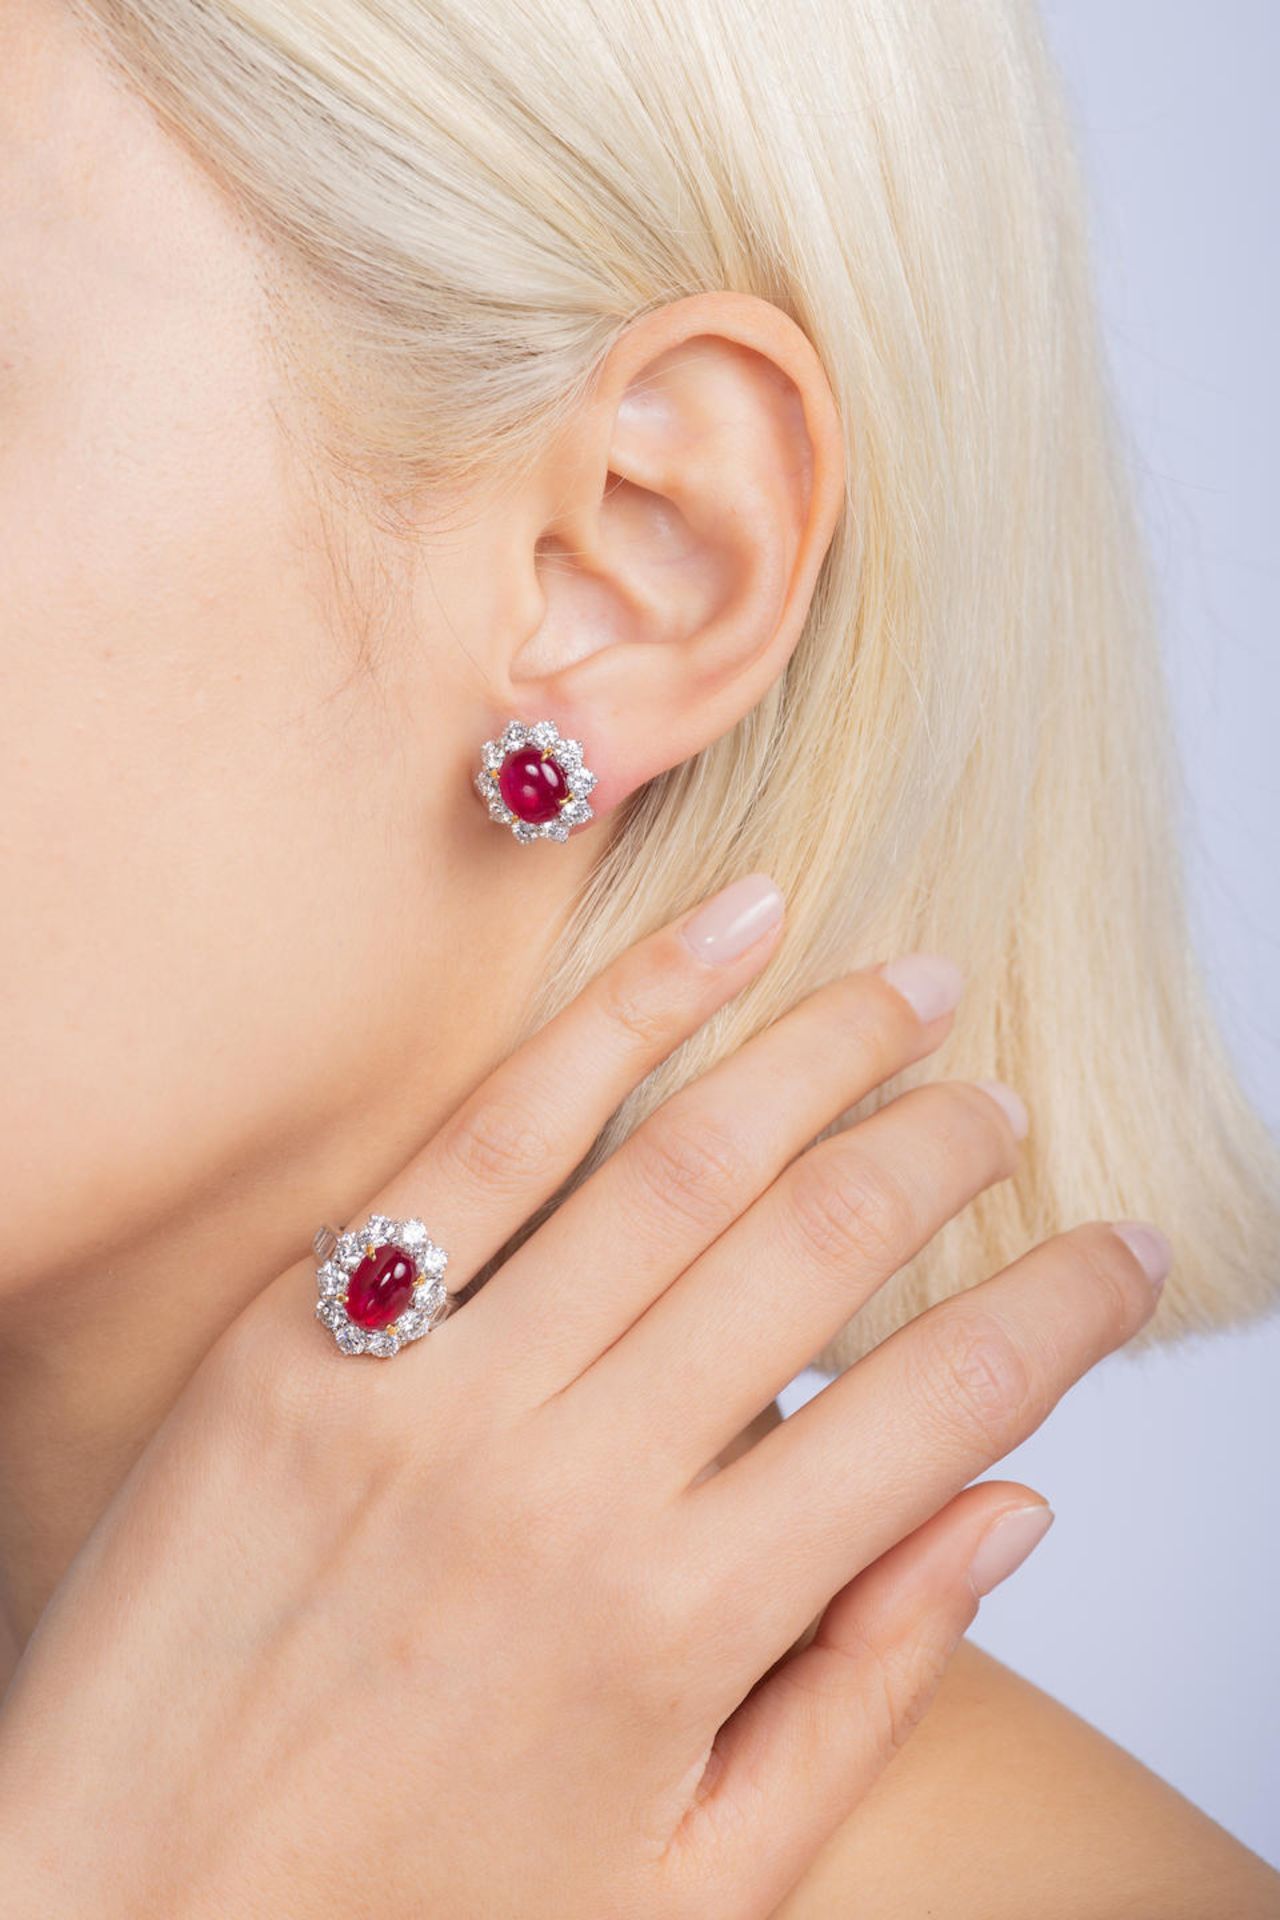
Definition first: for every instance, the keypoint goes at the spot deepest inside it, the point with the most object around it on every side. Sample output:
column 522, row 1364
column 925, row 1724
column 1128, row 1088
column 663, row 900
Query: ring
column 381, row 1285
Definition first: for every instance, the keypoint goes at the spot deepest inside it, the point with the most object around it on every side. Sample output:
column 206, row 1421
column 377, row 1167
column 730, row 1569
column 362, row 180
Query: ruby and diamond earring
column 534, row 781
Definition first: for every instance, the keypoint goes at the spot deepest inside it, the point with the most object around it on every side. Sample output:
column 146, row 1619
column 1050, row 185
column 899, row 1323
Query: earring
column 535, row 781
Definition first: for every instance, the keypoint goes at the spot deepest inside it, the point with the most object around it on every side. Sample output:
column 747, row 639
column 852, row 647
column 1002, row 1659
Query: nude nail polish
column 1150, row 1247
column 734, row 919
column 1006, row 1544
column 930, row 984
column 1012, row 1105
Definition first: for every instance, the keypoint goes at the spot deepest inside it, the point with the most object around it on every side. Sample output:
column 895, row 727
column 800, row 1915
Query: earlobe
column 696, row 497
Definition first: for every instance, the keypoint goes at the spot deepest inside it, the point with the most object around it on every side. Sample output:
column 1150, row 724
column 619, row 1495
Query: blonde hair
column 970, row 749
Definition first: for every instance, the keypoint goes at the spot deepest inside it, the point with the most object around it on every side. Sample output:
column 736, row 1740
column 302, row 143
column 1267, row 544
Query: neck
column 91, row 1361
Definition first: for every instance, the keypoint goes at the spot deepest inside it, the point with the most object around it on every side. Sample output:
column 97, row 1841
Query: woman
column 720, row 389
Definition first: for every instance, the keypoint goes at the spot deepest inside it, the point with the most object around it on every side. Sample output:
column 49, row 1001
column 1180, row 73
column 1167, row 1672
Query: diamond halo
column 338, row 1255
column 544, row 738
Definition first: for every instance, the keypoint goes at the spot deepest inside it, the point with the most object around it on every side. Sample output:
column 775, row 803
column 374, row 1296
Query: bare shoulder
column 1004, row 1805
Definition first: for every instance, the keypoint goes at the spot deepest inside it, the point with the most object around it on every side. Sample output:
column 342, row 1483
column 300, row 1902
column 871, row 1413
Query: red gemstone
column 381, row 1287
column 533, row 785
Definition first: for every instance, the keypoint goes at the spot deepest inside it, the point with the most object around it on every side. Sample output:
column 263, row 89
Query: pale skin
column 245, row 862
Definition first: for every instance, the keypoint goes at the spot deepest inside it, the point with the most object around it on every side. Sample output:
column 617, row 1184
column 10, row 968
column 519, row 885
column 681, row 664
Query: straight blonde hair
column 970, row 749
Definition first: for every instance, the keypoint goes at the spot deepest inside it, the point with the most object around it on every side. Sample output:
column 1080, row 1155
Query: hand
column 472, row 1632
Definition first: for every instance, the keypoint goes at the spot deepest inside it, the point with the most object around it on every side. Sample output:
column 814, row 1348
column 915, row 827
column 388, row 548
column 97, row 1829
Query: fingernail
column 1006, row 1544
column 734, row 919
column 1015, row 1107
column 1149, row 1245
column 929, row 983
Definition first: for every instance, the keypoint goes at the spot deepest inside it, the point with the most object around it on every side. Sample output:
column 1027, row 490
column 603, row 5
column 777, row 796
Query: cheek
column 176, row 809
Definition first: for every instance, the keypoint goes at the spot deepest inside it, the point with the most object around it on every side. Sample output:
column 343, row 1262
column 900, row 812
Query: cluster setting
column 380, row 1285
column 534, row 781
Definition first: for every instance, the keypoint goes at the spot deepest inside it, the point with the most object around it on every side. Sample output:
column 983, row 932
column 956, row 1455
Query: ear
column 686, row 512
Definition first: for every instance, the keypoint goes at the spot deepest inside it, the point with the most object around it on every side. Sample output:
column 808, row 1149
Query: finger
column 525, row 1127
column 746, row 1316
column 702, row 1158
column 519, row 1134
column 811, row 1739
column 871, row 1456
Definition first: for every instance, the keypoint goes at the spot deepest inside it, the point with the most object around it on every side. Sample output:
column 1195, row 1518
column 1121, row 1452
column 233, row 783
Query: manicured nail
column 1015, row 1107
column 734, row 919
column 1149, row 1245
column 929, row 983
column 1006, row 1544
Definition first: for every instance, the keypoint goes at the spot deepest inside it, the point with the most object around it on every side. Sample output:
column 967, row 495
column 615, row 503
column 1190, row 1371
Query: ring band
column 380, row 1285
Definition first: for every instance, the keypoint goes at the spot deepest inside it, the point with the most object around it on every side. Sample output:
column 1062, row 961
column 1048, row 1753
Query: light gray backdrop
column 1152, row 1608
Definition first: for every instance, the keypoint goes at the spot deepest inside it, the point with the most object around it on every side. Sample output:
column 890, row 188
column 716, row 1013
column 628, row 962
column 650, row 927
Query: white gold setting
column 545, row 738
column 339, row 1254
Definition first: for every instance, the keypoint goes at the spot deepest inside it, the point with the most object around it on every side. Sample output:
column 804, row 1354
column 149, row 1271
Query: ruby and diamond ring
column 534, row 781
column 381, row 1285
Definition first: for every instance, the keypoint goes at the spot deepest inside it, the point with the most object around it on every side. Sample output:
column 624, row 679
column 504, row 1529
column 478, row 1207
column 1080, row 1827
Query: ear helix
column 534, row 781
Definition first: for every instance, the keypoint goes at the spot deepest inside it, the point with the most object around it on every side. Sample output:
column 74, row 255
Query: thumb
column 812, row 1737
